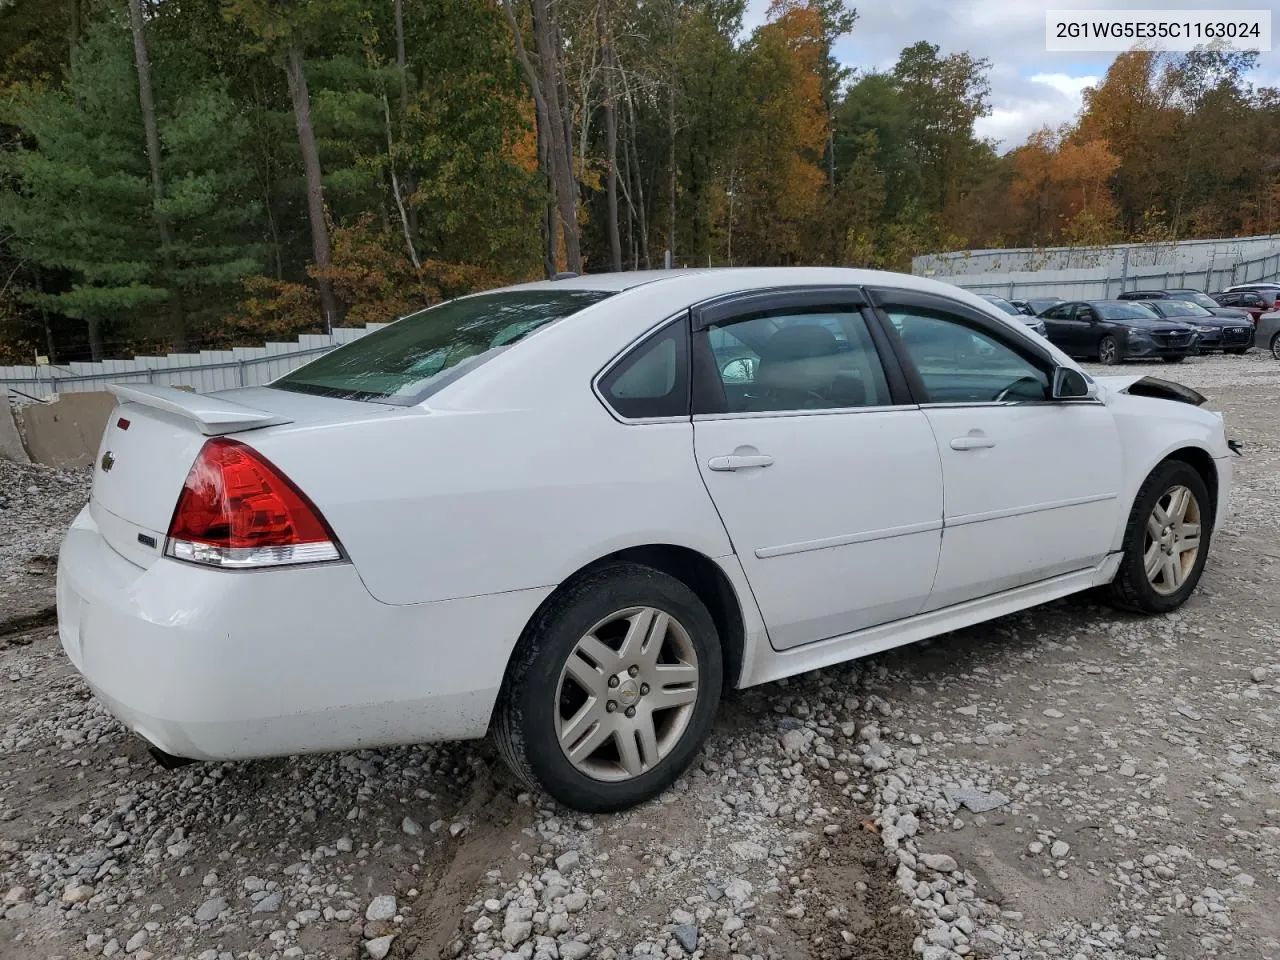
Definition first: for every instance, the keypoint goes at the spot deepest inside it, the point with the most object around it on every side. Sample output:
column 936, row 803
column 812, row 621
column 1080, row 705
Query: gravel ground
column 1066, row 782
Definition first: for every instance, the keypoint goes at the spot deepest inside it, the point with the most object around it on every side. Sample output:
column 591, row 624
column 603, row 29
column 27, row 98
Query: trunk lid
column 154, row 435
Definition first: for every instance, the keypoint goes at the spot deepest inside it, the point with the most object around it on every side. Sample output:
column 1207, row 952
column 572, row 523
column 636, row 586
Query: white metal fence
column 1188, row 255
column 204, row 372
column 1208, row 265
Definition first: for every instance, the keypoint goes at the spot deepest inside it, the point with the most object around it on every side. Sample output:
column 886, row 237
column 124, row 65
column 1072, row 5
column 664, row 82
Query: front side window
column 789, row 359
column 406, row 361
column 961, row 364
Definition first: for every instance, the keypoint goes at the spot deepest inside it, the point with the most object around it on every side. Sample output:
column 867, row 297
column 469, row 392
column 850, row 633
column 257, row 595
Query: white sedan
column 570, row 513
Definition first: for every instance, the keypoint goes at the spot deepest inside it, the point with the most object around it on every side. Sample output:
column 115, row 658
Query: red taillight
column 237, row 510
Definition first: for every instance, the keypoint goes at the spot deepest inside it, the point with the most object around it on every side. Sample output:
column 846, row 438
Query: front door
column 1031, row 484
column 826, row 476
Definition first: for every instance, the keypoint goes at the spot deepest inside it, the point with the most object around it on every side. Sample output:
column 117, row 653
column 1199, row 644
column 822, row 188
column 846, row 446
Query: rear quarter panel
column 450, row 504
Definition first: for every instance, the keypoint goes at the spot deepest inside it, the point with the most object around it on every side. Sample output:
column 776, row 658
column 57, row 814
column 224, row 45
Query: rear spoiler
column 213, row 416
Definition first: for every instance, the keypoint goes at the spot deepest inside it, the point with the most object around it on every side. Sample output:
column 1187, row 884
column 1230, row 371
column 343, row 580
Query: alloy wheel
column 626, row 694
column 1173, row 540
column 1108, row 351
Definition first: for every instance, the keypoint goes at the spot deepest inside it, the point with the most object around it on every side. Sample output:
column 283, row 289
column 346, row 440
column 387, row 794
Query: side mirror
column 1069, row 384
column 741, row 370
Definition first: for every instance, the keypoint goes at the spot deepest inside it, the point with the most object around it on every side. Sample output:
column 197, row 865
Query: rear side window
column 653, row 379
column 417, row 355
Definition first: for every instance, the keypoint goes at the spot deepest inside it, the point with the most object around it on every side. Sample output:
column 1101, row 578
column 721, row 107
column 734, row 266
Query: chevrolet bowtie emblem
column 108, row 461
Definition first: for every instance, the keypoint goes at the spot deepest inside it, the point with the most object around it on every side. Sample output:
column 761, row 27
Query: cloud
column 1030, row 87
column 1020, row 107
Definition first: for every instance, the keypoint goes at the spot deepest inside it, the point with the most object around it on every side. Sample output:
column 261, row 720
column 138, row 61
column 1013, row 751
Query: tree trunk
column 177, row 322
column 73, row 34
column 671, row 166
column 315, row 185
column 400, row 60
column 544, row 35
column 95, row 338
column 410, row 182
column 395, row 187
column 611, row 141
column 545, row 87
column 548, row 221
column 642, row 215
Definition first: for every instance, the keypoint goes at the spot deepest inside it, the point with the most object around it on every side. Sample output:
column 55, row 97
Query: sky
column 1029, row 86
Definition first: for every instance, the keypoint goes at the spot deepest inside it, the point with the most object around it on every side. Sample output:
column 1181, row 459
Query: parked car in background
column 1255, row 302
column 1035, row 306
column 1117, row 330
column 547, row 514
column 1261, row 285
column 1033, row 322
column 1229, row 334
column 1190, row 296
column 1266, row 335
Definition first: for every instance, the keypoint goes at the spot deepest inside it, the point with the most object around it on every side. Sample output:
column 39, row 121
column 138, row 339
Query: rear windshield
column 1184, row 308
column 417, row 355
column 1127, row 311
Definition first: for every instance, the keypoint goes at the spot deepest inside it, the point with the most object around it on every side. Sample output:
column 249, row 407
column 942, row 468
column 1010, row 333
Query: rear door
column 825, row 473
column 1059, row 326
column 1031, row 485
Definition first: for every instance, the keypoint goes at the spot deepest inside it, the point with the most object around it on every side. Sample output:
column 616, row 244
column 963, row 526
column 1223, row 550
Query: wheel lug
column 611, row 707
column 633, row 671
column 644, row 689
column 631, row 711
column 613, row 681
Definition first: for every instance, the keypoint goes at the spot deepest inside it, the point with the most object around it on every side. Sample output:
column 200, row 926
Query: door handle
column 972, row 442
column 720, row 464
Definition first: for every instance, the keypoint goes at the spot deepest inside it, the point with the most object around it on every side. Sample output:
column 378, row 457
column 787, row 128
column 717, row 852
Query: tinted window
column 404, row 362
column 1061, row 312
column 961, row 364
column 1183, row 308
column 653, row 379
column 1126, row 311
column 1002, row 303
column 787, row 359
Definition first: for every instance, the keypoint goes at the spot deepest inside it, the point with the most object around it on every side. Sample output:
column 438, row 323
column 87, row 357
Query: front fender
column 1151, row 430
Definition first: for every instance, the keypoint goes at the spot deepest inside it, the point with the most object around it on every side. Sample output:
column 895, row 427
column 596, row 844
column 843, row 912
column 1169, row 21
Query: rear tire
column 1109, row 351
column 1275, row 346
column 1156, row 575
column 592, row 647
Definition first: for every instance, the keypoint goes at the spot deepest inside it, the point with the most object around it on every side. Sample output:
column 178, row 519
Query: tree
column 146, row 99
column 82, row 203
column 286, row 33
column 544, row 69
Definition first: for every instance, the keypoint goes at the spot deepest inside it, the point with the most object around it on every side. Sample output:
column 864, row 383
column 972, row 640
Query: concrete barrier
column 11, row 447
column 67, row 432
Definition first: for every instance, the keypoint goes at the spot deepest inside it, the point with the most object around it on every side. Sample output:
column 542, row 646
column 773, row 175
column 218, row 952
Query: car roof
column 705, row 282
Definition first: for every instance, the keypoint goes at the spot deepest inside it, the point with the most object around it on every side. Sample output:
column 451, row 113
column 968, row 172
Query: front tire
column 1166, row 540
column 1275, row 346
column 1109, row 351
column 612, row 690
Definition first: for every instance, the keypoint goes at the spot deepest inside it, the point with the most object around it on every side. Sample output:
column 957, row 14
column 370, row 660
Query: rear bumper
column 216, row 665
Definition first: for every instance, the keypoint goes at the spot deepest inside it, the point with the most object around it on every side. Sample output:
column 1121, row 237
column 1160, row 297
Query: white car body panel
column 460, row 516
column 1038, row 502
column 851, row 498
